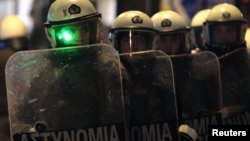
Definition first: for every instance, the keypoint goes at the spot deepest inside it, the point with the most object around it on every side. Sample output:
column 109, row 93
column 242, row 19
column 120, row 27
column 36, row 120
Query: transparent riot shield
column 198, row 90
column 235, row 78
column 153, row 111
column 66, row 94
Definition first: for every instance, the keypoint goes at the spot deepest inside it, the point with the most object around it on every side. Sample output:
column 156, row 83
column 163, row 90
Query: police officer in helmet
column 73, row 23
column 173, row 31
column 224, row 29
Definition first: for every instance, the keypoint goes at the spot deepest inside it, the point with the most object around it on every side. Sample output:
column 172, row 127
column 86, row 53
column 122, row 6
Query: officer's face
column 169, row 44
column 82, row 34
column 224, row 34
column 135, row 43
column 71, row 35
column 131, row 44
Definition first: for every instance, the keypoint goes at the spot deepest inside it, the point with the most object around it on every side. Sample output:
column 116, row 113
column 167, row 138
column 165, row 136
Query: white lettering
column 45, row 136
column 135, row 134
column 58, row 137
column 166, row 133
column 153, row 132
column 243, row 119
column 81, row 135
column 216, row 132
column 114, row 135
column 148, row 135
column 106, row 133
column 34, row 136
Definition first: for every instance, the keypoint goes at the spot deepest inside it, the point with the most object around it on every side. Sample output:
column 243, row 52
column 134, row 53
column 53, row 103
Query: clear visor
column 75, row 34
column 197, row 37
column 173, row 43
column 225, row 34
column 129, row 41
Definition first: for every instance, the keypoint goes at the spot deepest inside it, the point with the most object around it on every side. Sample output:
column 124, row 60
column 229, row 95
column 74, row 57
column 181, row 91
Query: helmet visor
column 197, row 37
column 173, row 43
column 225, row 34
column 76, row 33
column 129, row 41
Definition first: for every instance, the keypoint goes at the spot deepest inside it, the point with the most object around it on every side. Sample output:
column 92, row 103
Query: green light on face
column 65, row 35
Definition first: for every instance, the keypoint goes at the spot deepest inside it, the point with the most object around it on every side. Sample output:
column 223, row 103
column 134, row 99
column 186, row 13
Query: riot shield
column 66, row 94
column 198, row 90
column 153, row 111
column 235, row 78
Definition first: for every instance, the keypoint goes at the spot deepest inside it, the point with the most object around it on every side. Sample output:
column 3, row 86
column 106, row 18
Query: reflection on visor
column 65, row 34
column 173, row 43
column 135, row 41
column 225, row 34
column 132, row 42
column 76, row 34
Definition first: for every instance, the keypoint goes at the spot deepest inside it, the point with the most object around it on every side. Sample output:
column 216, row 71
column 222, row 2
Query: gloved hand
column 187, row 133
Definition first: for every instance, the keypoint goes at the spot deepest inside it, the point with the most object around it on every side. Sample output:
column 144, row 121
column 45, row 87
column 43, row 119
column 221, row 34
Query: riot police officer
column 132, row 32
column 133, row 35
column 135, row 30
column 13, row 38
column 224, row 34
column 224, row 29
column 196, row 29
column 173, row 31
column 79, row 25
column 189, row 69
column 74, row 95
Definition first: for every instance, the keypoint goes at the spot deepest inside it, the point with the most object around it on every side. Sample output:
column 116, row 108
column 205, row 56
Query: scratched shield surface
column 153, row 109
column 198, row 90
column 235, row 78
column 66, row 93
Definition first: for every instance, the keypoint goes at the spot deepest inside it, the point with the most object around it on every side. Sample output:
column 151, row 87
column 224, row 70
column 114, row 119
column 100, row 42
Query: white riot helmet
column 13, row 32
column 132, row 23
column 72, row 23
column 12, row 26
column 247, row 37
column 224, row 14
column 170, row 23
column 196, row 28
